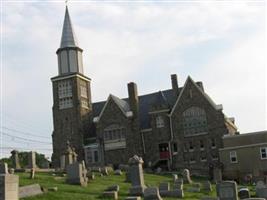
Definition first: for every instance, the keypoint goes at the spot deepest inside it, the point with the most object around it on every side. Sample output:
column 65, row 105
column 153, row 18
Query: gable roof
column 145, row 102
column 123, row 105
column 189, row 79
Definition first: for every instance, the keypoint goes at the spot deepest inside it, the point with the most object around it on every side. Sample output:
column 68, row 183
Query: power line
column 25, row 133
column 23, row 123
column 21, row 138
column 26, row 149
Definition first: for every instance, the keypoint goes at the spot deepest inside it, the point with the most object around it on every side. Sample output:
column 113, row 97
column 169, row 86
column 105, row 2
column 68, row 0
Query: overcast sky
column 222, row 44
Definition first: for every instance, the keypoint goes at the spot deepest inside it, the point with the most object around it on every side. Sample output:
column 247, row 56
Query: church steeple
column 68, row 38
column 69, row 53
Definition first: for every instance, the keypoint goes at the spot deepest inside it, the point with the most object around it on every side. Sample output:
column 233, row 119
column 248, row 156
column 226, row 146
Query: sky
column 221, row 43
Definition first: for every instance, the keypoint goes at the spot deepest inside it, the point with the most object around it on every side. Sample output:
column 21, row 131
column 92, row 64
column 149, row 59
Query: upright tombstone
column 76, row 174
column 15, row 159
column 227, row 190
column 174, row 177
column 243, row 193
column 137, row 176
column 152, row 193
column 9, row 187
column 31, row 160
column 217, row 174
column 261, row 189
column 186, row 176
column 207, row 186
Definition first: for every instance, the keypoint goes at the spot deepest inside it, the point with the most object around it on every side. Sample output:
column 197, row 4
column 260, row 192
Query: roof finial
column 66, row 2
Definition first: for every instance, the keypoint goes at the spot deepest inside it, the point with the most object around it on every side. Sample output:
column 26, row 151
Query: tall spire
column 68, row 38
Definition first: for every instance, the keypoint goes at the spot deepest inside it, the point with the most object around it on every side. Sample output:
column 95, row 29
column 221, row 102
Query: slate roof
column 68, row 38
column 165, row 97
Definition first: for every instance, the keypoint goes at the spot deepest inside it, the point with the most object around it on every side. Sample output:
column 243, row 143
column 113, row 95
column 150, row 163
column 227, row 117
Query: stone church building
column 173, row 128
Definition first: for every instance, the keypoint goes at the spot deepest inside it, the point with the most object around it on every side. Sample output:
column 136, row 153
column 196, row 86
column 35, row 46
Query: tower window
column 65, row 94
column 159, row 122
column 83, row 89
column 213, row 144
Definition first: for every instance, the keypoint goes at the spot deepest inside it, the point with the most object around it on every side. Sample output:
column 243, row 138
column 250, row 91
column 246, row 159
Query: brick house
column 174, row 128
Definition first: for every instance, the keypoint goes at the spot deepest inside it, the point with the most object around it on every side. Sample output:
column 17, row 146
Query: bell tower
column 72, row 105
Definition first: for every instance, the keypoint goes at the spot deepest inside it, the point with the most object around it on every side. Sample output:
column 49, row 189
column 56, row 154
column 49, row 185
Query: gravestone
column 152, row 193
column 110, row 195
column 186, row 176
column 30, row 190
column 118, row 172
column 261, row 190
column 173, row 193
column 227, row 190
column 174, row 177
column 206, row 185
column 3, row 168
column 31, row 160
column 113, row 188
column 76, row 174
column 32, row 173
column 243, row 193
column 178, row 184
column 217, row 175
column 164, row 187
column 137, row 176
column 15, row 159
column 9, row 187
column 104, row 171
column 133, row 198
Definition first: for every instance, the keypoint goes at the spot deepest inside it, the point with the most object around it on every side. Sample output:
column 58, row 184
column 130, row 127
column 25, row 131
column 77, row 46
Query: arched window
column 194, row 121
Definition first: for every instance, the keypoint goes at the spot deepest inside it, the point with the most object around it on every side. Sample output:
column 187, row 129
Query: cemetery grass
column 95, row 187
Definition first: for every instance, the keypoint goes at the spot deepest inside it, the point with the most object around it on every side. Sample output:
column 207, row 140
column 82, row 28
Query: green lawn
column 95, row 187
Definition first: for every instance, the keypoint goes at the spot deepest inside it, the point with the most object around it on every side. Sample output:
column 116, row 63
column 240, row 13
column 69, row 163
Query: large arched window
column 194, row 121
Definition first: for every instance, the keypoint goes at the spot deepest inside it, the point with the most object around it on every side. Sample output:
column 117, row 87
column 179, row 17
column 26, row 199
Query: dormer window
column 159, row 122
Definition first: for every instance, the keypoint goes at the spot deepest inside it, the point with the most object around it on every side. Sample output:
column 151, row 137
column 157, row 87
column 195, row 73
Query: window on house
column 95, row 156
column 203, row 157
column 114, row 132
column 159, row 122
column 192, row 159
column 233, row 157
column 201, row 144
column 194, row 121
column 213, row 143
column 175, row 147
column 191, row 147
column 264, row 153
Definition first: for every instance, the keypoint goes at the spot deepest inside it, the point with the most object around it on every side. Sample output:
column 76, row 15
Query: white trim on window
column 263, row 153
column 233, row 157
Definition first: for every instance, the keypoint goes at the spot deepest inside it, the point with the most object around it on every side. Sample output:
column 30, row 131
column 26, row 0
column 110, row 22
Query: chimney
column 133, row 98
column 200, row 85
column 175, row 87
